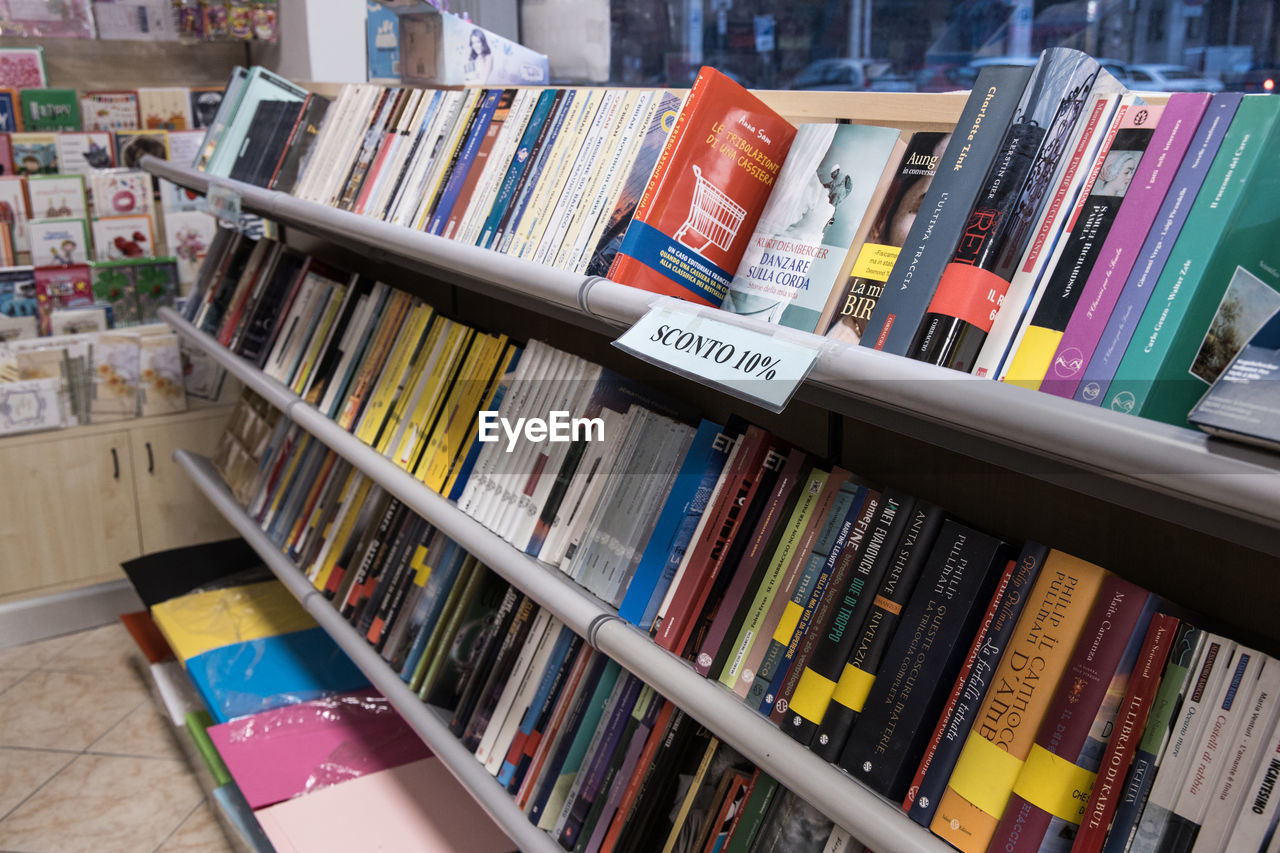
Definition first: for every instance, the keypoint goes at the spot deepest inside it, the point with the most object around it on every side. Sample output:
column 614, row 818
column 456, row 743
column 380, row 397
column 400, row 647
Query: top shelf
column 1181, row 475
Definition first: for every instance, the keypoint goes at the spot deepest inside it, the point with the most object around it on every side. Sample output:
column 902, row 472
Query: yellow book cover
column 432, row 404
column 448, row 155
column 460, row 412
column 455, row 362
column 350, row 513
column 422, row 413
column 423, row 358
column 486, row 402
column 391, row 379
column 315, row 532
column 428, row 377
column 350, row 481
column 303, row 374
column 424, row 364
column 200, row 621
column 1021, row 690
column 371, row 365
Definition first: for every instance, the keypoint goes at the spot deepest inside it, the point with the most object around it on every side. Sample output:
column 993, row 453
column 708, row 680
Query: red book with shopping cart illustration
column 706, row 193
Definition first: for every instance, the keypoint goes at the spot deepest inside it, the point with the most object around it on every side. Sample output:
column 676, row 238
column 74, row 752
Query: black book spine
column 924, row 658
column 918, row 535
column 945, row 210
column 470, row 691
column 869, row 548
column 392, row 601
column 964, row 305
column 378, row 543
column 508, row 651
column 386, row 572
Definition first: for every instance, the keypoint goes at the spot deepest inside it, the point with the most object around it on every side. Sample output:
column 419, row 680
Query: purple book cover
column 599, row 763
column 1149, row 263
column 1151, row 184
column 625, row 772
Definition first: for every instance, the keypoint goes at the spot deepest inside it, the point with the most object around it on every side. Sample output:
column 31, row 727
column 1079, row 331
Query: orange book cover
column 1021, row 692
column 706, row 193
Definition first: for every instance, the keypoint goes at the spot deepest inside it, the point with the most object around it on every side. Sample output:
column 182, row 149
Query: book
column 923, row 658
column 703, row 201
column 1030, row 669
column 1115, row 258
column 1051, row 117
column 971, row 684
column 944, row 211
column 859, row 292
column 1238, row 405
column 803, row 246
column 1207, row 300
column 1045, row 809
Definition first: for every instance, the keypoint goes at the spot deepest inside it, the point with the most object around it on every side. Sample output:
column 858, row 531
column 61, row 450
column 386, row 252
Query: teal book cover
column 1219, row 282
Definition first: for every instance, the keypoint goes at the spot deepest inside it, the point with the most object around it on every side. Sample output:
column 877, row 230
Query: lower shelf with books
column 871, row 819
column 429, row 725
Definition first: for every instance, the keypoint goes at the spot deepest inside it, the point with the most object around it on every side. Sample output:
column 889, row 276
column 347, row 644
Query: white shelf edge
column 1004, row 424
column 840, row 797
column 491, row 796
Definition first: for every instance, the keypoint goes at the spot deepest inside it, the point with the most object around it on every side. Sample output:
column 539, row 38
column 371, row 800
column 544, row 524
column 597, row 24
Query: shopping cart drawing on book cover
column 713, row 216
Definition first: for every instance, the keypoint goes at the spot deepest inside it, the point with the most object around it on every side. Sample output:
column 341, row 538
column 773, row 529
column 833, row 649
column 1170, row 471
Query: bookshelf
column 1181, row 475
column 1176, row 475
column 875, row 821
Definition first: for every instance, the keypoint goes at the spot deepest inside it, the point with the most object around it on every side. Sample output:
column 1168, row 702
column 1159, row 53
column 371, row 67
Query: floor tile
column 10, row 677
column 34, row 655
column 115, row 805
column 200, row 833
column 145, row 733
column 66, row 710
column 22, row 771
column 105, row 649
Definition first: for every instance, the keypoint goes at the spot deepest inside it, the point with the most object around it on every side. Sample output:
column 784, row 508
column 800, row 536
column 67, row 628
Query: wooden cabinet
column 76, row 503
column 172, row 512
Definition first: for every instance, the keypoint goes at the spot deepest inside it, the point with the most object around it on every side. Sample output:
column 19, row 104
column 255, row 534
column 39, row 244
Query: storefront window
column 939, row 45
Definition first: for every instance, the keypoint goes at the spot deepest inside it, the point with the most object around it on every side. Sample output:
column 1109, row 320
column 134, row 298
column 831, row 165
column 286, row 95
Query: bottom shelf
column 491, row 796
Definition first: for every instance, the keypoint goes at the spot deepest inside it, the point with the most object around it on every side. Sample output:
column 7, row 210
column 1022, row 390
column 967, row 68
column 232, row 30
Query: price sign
column 224, row 203
column 755, row 366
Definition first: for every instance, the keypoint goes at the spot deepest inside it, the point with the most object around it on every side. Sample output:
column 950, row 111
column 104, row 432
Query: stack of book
column 924, row 656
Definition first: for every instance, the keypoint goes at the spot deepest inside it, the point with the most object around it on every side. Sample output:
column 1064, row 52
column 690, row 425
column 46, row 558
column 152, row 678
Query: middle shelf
column 1169, row 472
column 875, row 821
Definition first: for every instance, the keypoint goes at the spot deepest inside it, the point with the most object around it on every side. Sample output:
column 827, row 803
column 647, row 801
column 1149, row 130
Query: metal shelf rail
column 1227, row 490
column 871, row 819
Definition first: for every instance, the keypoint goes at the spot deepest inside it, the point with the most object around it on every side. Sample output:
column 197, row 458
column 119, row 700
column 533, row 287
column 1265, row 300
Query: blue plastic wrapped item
column 270, row 672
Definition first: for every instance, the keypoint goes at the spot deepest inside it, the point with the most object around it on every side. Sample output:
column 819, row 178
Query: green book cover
column 772, row 577
column 1220, row 281
column 578, row 749
column 753, row 812
column 50, row 109
column 197, row 722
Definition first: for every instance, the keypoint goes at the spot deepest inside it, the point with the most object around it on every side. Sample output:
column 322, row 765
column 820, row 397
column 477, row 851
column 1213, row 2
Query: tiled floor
column 87, row 762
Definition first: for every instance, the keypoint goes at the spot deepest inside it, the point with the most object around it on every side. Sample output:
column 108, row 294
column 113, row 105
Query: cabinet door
column 172, row 512
column 67, row 511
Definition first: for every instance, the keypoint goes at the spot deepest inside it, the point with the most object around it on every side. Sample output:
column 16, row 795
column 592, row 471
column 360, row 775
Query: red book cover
column 232, row 318
column 710, row 548
column 477, row 166
column 1131, row 722
column 656, row 735
column 705, row 195
column 371, row 179
column 1052, row 789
